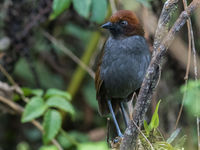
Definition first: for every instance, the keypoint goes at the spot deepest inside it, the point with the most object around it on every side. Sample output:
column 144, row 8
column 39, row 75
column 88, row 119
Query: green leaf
column 146, row 127
column 173, row 136
column 51, row 124
column 82, row 7
column 50, row 147
column 99, row 10
column 23, row 146
column 58, row 7
column 56, row 92
column 35, row 108
column 155, row 119
column 61, row 103
column 92, row 146
column 191, row 98
column 35, row 92
column 27, row 91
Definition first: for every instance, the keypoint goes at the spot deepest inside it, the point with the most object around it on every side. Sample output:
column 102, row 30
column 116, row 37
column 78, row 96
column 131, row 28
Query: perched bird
column 122, row 65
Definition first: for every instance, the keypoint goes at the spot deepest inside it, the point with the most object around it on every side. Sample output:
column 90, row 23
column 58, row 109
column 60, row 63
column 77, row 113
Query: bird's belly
column 121, row 78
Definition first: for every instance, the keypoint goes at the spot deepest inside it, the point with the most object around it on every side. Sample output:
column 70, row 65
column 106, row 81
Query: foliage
column 61, row 103
column 34, row 109
column 82, row 7
column 50, row 147
column 51, row 124
column 58, row 7
column 23, row 146
column 154, row 121
column 191, row 98
column 92, row 146
column 55, row 92
column 32, row 92
column 97, row 9
column 156, row 139
column 40, row 105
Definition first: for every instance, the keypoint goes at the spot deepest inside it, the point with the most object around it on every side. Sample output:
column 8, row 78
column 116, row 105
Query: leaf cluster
column 95, row 10
column 47, row 106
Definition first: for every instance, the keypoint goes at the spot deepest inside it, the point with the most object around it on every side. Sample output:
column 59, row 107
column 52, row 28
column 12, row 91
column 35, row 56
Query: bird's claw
column 118, row 139
column 116, row 142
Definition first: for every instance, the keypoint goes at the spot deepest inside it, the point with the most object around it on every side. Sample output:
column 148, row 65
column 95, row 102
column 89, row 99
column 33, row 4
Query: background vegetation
column 47, row 57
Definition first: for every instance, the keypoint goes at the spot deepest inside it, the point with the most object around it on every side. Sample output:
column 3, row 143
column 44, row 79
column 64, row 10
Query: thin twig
column 11, row 80
column 188, row 65
column 69, row 53
column 19, row 110
column 181, row 109
column 189, row 42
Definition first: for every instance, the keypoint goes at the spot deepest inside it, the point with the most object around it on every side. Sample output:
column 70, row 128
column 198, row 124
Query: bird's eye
column 123, row 23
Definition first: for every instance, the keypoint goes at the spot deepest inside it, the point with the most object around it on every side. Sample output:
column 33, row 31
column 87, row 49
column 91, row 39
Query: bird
column 122, row 64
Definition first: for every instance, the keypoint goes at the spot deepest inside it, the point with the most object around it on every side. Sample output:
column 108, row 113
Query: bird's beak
column 107, row 25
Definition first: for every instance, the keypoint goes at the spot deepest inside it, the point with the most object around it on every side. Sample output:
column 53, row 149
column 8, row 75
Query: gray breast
column 124, row 65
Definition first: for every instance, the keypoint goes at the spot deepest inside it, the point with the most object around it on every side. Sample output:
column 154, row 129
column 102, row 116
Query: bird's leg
column 123, row 114
column 114, row 119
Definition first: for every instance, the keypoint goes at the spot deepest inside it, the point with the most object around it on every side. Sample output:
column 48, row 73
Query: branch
column 11, row 80
column 151, row 79
column 162, row 28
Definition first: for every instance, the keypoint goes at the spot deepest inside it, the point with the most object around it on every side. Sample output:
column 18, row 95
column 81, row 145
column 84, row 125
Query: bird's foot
column 118, row 139
column 116, row 142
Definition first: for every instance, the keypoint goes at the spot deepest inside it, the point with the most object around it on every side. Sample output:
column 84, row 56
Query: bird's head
column 124, row 23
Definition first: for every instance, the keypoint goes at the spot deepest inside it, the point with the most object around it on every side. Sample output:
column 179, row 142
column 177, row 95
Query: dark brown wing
column 100, row 90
